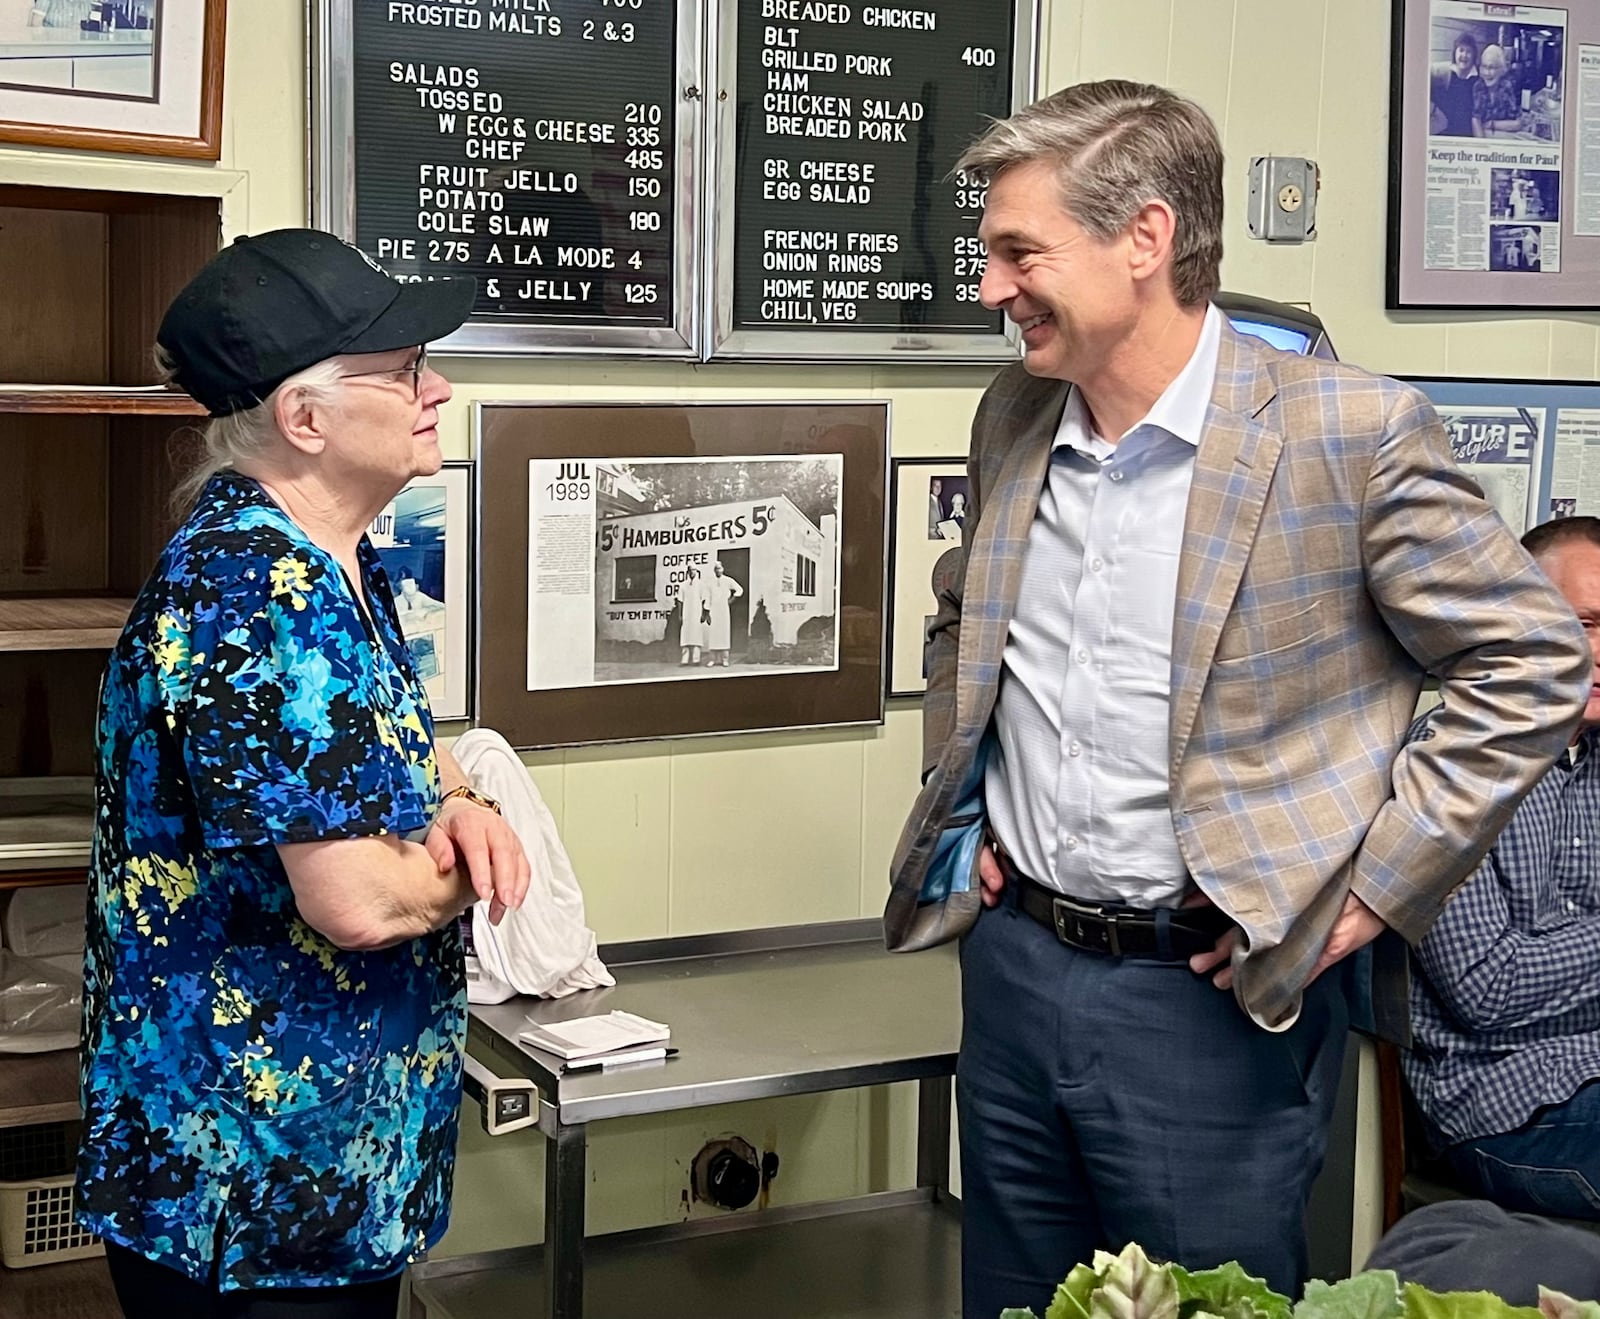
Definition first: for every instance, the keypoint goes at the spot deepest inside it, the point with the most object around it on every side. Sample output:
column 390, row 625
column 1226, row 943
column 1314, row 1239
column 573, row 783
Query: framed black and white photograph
column 137, row 76
column 424, row 540
column 928, row 513
column 1489, row 206
column 1533, row 446
column 680, row 569
column 703, row 568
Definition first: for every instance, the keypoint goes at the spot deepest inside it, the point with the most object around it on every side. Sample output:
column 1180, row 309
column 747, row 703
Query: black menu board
column 847, row 120
column 531, row 143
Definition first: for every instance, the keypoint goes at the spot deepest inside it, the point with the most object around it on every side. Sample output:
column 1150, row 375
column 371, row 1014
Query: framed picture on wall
column 679, row 569
column 1533, row 446
column 424, row 538
column 928, row 514
column 140, row 76
column 1491, row 200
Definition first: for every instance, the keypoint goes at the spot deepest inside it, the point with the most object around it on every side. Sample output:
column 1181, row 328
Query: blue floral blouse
column 256, row 1101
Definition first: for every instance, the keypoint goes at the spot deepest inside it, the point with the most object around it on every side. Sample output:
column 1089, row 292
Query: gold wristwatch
column 474, row 796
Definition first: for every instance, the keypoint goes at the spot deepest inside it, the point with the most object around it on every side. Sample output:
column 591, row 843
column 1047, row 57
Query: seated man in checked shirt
column 1506, row 1012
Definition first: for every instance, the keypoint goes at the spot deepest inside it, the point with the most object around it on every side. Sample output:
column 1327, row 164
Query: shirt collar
column 1181, row 409
column 1582, row 750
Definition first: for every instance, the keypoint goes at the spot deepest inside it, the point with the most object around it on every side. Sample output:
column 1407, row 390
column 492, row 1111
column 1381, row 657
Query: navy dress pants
column 1105, row 1100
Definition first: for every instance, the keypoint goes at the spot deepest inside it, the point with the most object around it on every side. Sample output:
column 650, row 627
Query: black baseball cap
column 273, row 304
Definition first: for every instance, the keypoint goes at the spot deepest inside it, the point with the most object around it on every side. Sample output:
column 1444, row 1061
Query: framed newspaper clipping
column 424, row 540
column 679, row 569
column 1533, row 446
column 928, row 516
column 1494, row 172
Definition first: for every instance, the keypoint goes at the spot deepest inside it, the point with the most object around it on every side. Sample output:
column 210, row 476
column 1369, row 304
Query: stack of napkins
column 613, row 1037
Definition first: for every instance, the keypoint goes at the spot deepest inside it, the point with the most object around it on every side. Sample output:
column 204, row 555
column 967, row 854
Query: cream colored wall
column 683, row 837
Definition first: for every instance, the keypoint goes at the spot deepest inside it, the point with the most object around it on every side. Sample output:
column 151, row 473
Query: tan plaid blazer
column 1333, row 554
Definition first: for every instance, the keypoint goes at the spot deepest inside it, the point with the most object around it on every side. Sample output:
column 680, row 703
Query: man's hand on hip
column 1357, row 926
column 991, row 883
column 1221, row 955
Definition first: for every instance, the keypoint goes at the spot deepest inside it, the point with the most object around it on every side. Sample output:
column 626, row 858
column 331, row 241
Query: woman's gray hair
column 240, row 437
column 1116, row 146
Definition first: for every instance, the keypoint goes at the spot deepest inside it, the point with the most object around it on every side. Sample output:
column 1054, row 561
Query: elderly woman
column 274, row 1003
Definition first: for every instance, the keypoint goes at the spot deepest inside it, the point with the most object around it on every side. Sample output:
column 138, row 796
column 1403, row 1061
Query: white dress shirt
column 1077, row 783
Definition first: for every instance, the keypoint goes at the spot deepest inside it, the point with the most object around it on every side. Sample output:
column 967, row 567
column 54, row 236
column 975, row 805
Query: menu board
column 531, row 143
column 564, row 152
column 846, row 222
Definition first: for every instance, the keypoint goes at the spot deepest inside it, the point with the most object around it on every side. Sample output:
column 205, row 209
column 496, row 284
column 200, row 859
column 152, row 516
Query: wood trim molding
column 1392, row 1129
column 133, row 402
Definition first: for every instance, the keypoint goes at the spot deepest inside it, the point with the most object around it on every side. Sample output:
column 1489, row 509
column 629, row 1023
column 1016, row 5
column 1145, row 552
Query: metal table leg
column 933, row 1134
column 564, row 1186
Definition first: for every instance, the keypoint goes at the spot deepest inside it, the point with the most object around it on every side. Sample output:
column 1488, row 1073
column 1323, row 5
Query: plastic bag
column 40, row 1004
column 44, row 922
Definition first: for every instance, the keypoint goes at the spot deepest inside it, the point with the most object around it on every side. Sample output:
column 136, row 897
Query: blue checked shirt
column 1506, row 1012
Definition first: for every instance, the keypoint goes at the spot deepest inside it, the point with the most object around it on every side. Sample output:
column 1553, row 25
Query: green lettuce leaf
column 1228, row 1292
column 1420, row 1303
column 1071, row 1300
column 1373, row 1295
column 1014, row 1313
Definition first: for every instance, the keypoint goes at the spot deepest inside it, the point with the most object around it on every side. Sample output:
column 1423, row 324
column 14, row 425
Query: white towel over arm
column 544, row 947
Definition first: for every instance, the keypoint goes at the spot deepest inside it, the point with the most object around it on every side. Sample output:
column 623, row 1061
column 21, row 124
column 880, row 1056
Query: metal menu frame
column 723, row 340
column 332, row 201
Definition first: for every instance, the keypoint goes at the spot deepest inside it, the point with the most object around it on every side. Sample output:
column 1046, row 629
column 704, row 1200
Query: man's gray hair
column 1117, row 145
column 240, row 437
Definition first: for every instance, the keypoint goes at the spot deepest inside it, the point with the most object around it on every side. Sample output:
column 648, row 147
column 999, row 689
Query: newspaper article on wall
column 1495, row 125
column 1500, row 448
column 1533, row 446
column 1494, row 138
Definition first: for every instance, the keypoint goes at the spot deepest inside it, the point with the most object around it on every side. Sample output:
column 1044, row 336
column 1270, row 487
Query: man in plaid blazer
column 1202, row 583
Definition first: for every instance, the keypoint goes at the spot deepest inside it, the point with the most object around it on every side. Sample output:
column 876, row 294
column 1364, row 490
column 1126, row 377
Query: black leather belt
column 1166, row 934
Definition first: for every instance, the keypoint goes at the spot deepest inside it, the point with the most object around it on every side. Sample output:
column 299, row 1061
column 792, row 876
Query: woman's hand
column 478, row 838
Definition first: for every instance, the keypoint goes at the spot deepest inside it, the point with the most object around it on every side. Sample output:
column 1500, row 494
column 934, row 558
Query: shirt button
column 1116, row 476
column 1083, row 657
column 1577, row 842
column 1072, row 842
column 1096, row 564
column 1074, row 750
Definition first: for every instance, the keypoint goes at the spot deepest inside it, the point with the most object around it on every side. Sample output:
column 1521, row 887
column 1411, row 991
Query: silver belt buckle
column 1066, row 913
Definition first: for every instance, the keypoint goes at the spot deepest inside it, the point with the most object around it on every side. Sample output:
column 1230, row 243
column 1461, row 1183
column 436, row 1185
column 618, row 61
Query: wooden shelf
column 56, row 623
column 99, row 402
column 36, row 878
column 39, row 1087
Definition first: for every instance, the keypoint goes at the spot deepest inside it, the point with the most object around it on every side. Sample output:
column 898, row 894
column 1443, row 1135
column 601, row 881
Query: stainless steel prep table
column 754, row 1015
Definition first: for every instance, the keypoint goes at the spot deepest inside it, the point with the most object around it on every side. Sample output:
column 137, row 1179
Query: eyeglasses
column 418, row 365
